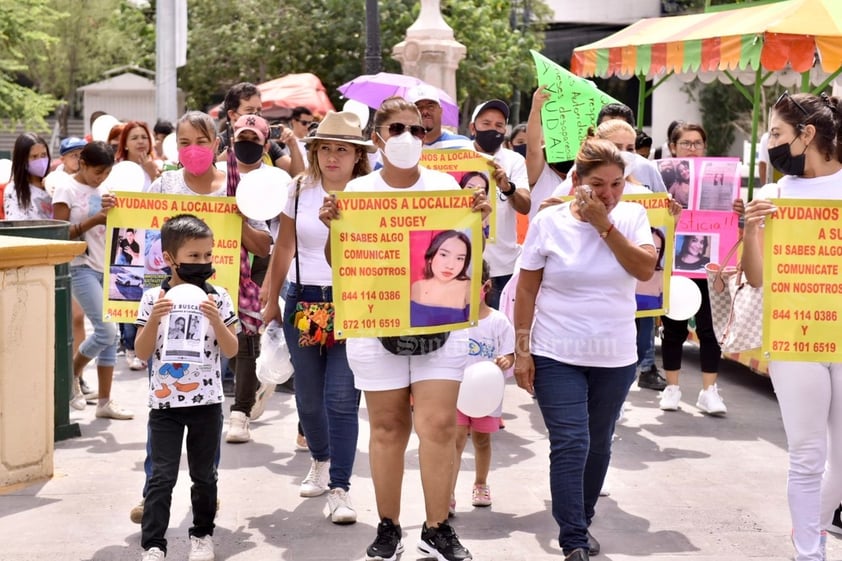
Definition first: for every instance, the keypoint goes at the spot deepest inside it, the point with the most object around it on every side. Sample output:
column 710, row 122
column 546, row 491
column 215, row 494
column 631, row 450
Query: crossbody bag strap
column 295, row 232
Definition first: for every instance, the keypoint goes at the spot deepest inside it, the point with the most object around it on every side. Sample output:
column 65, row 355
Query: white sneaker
column 201, row 549
column 113, row 411
column 77, row 398
column 710, row 401
column 341, row 510
column 153, row 554
column 238, row 428
column 261, row 398
column 670, row 398
column 318, row 477
column 137, row 364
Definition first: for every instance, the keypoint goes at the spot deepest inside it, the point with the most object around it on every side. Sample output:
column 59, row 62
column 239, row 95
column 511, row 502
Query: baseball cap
column 423, row 91
column 491, row 104
column 254, row 123
column 70, row 144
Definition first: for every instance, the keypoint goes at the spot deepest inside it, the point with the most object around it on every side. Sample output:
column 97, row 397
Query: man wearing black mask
column 488, row 128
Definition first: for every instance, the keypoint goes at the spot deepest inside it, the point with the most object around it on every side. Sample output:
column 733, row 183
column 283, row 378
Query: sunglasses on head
column 785, row 96
column 397, row 129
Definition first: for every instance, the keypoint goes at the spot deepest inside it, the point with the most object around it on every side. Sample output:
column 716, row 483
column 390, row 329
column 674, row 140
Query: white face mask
column 403, row 151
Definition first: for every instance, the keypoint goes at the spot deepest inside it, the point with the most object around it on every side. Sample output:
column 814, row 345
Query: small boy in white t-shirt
column 493, row 339
column 184, row 395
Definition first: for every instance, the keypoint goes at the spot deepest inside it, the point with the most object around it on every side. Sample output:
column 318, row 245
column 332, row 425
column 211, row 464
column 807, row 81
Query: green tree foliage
column 92, row 37
column 253, row 41
column 22, row 38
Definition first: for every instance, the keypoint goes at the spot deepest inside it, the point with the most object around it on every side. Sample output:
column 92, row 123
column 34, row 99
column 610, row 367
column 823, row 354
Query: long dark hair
column 436, row 244
column 688, row 239
column 20, row 166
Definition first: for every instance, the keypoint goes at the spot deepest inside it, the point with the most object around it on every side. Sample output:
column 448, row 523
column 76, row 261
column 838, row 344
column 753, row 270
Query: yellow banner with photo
column 470, row 169
column 802, row 290
column 405, row 263
column 653, row 295
column 133, row 246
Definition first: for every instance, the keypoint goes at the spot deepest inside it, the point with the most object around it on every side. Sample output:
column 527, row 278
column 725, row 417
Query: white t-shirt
column 84, row 202
column 794, row 187
column 40, row 204
column 197, row 384
column 55, row 178
column 430, row 180
column 584, row 312
column 502, row 254
column 312, row 235
column 172, row 183
column 646, row 172
column 491, row 337
column 543, row 189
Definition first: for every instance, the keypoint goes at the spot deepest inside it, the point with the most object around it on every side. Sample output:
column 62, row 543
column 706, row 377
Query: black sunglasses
column 397, row 129
column 305, row 123
column 786, row 95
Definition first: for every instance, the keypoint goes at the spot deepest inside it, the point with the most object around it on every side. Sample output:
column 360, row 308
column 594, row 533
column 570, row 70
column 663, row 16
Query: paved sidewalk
column 683, row 486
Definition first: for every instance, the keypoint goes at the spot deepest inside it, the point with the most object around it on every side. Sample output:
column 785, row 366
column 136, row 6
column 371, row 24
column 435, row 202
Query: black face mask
column 782, row 159
column 195, row 273
column 520, row 149
column 489, row 140
column 248, row 152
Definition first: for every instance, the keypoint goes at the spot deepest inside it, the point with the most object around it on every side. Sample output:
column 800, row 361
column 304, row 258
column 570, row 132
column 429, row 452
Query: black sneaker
column 442, row 544
column 593, row 545
column 578, row 555
column 836, row 525
column 651, row 379
column 387, row 545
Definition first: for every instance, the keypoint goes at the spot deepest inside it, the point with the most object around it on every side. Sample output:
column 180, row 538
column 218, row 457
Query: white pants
column 810, row 397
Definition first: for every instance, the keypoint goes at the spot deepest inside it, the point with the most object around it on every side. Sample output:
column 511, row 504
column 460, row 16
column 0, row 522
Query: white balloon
column 186, row 294
column 481, row 391
column 102, row 126
column 5, row 170
column 685, row 298
column 125, row 176
column 170, row 147
column 262, row 193
column 358, row 108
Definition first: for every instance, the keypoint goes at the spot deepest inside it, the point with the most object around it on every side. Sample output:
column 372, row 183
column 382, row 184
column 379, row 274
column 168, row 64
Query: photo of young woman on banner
column 471, row 170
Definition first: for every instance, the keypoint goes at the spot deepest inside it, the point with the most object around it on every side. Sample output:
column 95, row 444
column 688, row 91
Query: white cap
column 424, row 91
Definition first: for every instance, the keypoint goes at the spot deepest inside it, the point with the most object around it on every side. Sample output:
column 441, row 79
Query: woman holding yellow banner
column 804, row 132
column 388, row 377
column 574, row 319
column 325, row 396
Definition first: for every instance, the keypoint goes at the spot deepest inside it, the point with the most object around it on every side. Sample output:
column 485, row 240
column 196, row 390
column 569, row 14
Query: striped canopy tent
column 755, row 44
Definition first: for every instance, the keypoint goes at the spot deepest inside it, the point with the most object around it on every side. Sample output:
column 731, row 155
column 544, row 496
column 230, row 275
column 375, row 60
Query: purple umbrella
column 372, row 89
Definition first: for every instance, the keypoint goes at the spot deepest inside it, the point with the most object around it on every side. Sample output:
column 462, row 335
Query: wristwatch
column 511, row 191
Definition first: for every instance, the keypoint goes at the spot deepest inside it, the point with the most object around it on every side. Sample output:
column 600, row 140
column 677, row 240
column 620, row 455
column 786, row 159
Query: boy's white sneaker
column 201, row 549
column 153, row 554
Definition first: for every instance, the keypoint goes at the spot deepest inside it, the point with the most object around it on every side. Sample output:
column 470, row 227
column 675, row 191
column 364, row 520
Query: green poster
column 573, row 106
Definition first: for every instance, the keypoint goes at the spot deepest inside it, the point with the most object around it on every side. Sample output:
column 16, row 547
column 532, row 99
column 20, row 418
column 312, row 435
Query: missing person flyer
column 405, row 263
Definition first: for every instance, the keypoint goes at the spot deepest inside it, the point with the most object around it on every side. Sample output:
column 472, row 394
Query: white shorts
column 376, row 369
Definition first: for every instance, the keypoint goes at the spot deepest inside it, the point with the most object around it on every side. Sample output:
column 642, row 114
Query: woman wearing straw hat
column 325, row 396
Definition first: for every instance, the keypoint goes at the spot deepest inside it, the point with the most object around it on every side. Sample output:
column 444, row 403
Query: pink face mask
column 195, row 159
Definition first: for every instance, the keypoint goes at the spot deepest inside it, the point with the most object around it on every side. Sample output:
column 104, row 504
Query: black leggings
column 675, row 333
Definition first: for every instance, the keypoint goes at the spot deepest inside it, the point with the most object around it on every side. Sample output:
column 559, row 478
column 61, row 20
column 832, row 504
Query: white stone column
column 429, row 51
